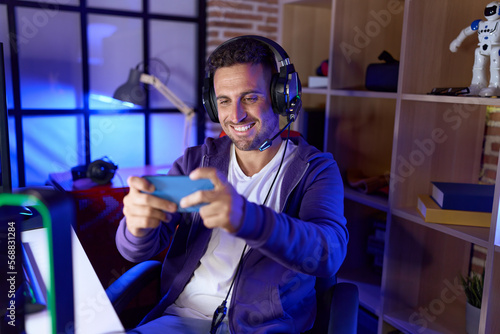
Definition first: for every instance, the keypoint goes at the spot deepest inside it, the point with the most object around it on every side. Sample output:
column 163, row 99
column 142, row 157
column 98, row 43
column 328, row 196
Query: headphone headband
column 278, row 51
column 285, row 87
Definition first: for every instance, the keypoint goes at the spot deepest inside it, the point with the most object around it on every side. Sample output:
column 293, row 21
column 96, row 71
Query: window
column 65, row 58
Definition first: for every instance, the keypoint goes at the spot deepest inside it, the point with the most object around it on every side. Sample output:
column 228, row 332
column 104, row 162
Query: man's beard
column 248, row 144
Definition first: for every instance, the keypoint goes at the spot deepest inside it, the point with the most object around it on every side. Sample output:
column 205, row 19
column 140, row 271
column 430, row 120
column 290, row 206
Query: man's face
column 244, row 105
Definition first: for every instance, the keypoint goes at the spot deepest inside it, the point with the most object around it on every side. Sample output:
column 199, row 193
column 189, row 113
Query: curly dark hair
column 242, row 51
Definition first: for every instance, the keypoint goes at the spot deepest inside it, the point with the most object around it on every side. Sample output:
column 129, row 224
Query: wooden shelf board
column 308, row 90
column 363, row 93
column 451, row 99
column 374, row 201
column 473, row 234
column 400, row 320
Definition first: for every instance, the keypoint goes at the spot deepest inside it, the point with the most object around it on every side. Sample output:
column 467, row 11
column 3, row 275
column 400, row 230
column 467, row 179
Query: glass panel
column 132, row 5
column 120, row 137
column 167, row 138
column 174, row 7
column 52, row 144
column 115, row 46
column 175, row 44
column 49, row 59
column 43, row 3
column 4, row 38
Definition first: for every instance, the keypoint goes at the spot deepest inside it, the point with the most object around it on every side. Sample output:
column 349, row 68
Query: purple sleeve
column 138, row 249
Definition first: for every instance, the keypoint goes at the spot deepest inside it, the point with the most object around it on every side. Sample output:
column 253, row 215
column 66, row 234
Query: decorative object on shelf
column 473, row 288
column 489, row 47
column 317, row 82
column 321, row 78
column 432, row 213
column 450, row 91
column 463, row 196
column 322, row 69
column 367, row 184
column 383, row 77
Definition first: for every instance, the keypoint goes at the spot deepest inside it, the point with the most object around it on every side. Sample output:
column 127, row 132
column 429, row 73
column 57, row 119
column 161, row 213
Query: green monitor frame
column 57, row 212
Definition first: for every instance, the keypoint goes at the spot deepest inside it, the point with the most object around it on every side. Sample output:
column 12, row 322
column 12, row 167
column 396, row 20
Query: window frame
column 18, row 113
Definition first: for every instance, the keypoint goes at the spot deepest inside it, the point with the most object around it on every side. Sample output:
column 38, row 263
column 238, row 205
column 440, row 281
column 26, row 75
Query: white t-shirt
column 211, row 280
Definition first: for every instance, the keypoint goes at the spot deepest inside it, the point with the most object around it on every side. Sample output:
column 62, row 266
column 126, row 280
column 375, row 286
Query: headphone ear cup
column 278, row 96
column 79, row 172
column 209, row 99
column 101, row 172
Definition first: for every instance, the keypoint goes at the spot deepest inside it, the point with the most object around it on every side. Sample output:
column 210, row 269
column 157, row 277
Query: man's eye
column 223, row 102
column 251, row 99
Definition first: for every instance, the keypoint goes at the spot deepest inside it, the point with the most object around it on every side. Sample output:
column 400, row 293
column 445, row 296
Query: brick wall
column 231, row 18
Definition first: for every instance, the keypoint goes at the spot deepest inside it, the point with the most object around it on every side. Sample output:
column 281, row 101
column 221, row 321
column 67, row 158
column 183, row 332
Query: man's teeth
column 242, row 128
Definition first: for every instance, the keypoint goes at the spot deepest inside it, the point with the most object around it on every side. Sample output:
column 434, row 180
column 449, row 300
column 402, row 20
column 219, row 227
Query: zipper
column 294, row 186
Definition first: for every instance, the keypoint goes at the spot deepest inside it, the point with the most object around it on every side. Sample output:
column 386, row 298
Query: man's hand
column 225, row 206
column 143, row 211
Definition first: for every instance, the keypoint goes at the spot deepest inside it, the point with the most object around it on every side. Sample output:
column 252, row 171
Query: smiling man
column 272, row 224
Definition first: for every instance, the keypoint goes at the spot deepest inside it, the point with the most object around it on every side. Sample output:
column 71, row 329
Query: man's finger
column 140, row 184
column 212, row 174
column 198, row 197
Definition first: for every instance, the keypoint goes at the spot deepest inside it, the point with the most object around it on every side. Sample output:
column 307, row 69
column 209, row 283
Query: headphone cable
column 220, row 312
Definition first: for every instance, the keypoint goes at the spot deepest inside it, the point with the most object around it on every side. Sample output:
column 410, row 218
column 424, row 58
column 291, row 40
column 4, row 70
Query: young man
column 273, row 222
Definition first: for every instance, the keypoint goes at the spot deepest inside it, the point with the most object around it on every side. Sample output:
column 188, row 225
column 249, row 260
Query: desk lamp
column 133, row 91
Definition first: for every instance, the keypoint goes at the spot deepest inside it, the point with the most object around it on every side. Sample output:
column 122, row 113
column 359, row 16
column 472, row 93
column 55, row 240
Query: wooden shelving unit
column 414, row 136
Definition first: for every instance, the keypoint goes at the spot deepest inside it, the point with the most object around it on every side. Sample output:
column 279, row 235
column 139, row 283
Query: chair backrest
column 337, row 307
column 323, row 288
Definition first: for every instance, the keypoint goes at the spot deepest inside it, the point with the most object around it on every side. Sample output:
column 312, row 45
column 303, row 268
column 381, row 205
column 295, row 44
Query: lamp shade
column 132, row 90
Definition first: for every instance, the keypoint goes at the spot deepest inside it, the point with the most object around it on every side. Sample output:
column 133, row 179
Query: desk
column 98, row 210
column 64, row 181
column 94, row 313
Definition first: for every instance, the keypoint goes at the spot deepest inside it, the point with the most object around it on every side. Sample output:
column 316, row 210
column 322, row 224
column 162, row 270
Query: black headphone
column 99, row 171
column 285, row 87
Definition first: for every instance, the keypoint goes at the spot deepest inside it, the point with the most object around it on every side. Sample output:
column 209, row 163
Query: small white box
column 318, row 82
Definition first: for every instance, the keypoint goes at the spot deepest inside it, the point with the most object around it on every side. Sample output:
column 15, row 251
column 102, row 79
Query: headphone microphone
column 265, row 145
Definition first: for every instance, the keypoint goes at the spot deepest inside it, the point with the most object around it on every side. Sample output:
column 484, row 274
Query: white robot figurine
column 489, row 46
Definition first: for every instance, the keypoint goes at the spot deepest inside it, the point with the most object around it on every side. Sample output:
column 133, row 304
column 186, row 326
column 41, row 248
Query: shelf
column 308, row 90
column 368, row 284
column 473, row 234
column 373, row 201
column 451, row 99
column 410, row 135
column 363, row 93
column 401, row 321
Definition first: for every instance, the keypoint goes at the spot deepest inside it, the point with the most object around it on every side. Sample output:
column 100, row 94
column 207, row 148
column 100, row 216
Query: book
column 463, row 196
column 432, row 213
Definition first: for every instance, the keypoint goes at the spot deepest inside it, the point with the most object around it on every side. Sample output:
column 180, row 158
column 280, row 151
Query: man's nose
column 238, row 113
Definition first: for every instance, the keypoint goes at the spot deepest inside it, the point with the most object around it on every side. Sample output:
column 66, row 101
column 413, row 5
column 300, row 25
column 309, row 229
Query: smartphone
column 175, row 187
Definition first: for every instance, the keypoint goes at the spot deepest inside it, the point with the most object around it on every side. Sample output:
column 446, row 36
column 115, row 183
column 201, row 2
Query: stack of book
column 458, row 204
